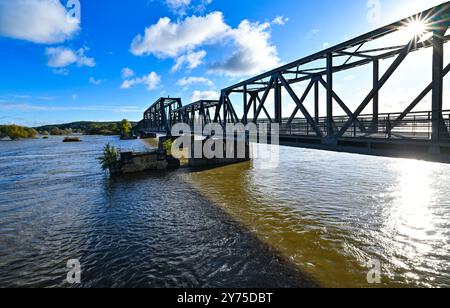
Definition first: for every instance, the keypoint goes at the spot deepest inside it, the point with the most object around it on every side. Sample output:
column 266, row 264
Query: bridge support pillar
column 219, row 151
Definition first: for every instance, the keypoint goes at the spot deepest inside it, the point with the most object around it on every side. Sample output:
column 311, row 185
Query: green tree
column 3, row 132
column 125, row 127
column 114, row 128
column 93, row 129
column 31, row 132
column 15, row 132
column 55, row 131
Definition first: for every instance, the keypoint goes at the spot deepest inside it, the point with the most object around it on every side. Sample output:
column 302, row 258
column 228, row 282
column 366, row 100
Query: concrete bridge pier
column 212, row 151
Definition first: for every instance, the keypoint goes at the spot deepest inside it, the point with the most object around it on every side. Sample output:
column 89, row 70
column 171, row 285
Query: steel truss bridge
column 427, row 128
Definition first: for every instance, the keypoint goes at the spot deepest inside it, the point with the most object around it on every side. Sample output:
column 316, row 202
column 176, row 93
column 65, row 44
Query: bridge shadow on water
column 177, row 237
column 244, row 165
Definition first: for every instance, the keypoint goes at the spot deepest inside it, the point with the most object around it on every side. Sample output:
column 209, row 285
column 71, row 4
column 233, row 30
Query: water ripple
column 150, row 230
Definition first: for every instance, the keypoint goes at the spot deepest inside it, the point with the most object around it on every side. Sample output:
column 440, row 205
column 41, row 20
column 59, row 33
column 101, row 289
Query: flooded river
column 334, row 214
column 312, row 219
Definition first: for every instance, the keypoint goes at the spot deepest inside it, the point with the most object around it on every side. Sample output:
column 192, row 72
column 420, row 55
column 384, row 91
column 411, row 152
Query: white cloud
column 95, row 82
column 206, row 95
column 37, row 21
column 312, row 33
column 178, row 4
column 152, row 81
column 191, row 59
column 168, row 39
column 182, row 6
column 30, row 107
column 26, row 96
column 127, row 73
column 187, row 81
column 280, row 20
column 61, row 71
column 60, row 57
column 254, row 53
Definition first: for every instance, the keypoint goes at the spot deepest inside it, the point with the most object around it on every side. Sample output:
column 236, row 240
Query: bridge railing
column 415, row 125
column 394, row 126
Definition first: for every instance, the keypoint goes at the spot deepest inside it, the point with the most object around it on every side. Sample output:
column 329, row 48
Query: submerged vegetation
column 15, row 132
column 72, row 139
column 167, row 146
column 110, row 158
column 58, row 132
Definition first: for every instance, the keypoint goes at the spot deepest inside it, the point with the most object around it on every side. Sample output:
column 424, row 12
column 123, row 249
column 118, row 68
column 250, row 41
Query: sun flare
column 415, row 28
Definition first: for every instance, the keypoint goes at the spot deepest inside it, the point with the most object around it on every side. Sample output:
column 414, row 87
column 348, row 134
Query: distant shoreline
column 88, row 128
column 40, row 137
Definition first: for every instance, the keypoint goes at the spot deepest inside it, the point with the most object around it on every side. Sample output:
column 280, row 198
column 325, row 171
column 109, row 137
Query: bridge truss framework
column 318, row 70
column 330, row 129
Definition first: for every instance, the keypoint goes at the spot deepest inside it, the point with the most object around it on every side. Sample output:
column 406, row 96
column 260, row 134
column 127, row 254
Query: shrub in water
column 110, row 158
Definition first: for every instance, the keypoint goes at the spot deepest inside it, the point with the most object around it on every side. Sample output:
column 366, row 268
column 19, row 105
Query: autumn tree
column 125, row 127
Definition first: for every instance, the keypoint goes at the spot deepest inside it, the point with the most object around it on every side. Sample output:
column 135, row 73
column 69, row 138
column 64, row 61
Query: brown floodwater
column 333, row 213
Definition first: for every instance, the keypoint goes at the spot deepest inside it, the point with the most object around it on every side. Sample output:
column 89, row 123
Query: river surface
column 309, row 218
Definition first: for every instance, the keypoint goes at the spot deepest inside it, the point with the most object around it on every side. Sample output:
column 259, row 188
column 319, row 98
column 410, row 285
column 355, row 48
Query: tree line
column 88, row 128
column 15, row 132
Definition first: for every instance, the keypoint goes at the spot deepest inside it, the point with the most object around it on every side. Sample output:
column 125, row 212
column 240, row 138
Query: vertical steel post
column 330, row 130
column 245, row 105
column 376, row 111
column 316, row 101
column 170, row 117
column 437, row 91
column 203, row 113
column 277, row 101
column 255, row 101
column 163, row 116
column 224, row 106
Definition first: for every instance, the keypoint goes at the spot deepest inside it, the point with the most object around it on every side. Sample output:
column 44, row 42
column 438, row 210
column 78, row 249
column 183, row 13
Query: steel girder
column 203, row 110
column 158, row 117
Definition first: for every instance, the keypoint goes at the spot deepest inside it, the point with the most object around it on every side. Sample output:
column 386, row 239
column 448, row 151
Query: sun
column 415, row 28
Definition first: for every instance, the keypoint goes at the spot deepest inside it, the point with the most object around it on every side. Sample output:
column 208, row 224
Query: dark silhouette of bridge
column 413, row 132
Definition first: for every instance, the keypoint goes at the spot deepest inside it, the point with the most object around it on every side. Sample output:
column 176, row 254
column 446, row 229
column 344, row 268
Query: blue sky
column 123, row 55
